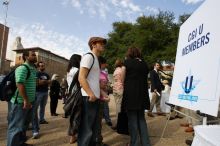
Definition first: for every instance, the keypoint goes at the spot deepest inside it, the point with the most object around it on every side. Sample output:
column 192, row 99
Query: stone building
column 55, row 64
column 4, row 63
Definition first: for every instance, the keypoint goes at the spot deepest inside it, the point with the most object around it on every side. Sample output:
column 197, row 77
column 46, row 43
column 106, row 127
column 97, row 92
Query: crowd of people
column 85, row 92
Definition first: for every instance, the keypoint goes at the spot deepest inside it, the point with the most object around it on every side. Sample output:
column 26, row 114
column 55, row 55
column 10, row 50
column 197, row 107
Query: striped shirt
column 21, row 73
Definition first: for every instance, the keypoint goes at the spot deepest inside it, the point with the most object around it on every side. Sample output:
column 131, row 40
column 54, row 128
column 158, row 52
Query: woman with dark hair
column 135, row 96
column 73, row 67
column 72, row 71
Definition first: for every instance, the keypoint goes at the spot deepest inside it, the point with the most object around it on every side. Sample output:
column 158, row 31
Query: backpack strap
column 74, row 81
column 92, row 61
column 28, row 69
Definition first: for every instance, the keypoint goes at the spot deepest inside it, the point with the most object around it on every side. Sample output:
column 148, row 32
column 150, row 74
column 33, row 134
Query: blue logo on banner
column 188, row 85
column 188, row 89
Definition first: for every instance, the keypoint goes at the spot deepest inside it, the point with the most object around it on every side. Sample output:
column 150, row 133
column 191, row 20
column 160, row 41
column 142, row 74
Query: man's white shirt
column 93, row 76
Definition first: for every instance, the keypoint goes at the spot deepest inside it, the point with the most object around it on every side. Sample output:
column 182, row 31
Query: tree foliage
column 156, row 36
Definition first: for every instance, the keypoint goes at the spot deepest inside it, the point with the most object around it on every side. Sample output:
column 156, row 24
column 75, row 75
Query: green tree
column 155, row 35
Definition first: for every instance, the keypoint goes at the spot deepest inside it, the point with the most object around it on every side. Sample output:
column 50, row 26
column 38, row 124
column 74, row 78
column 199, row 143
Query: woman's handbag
column 72, row 100
column 122, row 123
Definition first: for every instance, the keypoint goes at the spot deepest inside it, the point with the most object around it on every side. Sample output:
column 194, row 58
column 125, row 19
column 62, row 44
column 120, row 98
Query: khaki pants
column 155, row 101
column 118, row 99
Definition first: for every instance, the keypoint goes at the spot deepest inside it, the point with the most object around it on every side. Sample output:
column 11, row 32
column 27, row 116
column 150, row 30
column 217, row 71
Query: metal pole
column 168, row 118
column 5, row 3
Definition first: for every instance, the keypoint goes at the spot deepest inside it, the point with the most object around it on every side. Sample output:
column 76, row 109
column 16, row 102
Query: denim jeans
column 106, row 112
column 97, row 134
column 118, row 100
column 18, row 122
column 138, row 128
column 88, row 122
column 40, row 100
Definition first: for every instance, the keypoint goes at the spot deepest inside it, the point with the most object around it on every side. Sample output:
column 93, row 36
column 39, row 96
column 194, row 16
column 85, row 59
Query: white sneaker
column 35, row 135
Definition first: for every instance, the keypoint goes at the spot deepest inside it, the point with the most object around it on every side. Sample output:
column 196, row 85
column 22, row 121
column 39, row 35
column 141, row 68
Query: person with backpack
column 20, row 106
column 89, row 80
column 73, row 72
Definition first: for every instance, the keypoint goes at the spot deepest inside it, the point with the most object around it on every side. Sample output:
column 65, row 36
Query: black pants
column 53, row 104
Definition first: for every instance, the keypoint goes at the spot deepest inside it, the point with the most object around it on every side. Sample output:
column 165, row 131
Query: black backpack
column 8, row 85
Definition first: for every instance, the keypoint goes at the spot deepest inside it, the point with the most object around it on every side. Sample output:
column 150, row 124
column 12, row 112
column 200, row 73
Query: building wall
column 54, row 64
column 3, row 32
column 18, row 59
column 6, row 67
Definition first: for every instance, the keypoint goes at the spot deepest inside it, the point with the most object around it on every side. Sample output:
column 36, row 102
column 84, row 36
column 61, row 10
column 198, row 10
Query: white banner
column 196, row 82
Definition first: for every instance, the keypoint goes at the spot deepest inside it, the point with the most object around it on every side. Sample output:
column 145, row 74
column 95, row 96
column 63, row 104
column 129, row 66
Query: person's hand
column 27, row 105
column 92, row 98
column 106, row 99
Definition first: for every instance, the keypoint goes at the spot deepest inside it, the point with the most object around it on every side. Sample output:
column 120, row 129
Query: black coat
column 155, row 82
column 135, row 96
column 55, row 89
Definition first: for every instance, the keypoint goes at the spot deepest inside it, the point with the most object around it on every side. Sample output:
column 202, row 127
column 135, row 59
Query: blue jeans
column 88, row 122
column 97, row 134
column 106, row 112
column 18, row 122
column 138, row 128
column 40, row 100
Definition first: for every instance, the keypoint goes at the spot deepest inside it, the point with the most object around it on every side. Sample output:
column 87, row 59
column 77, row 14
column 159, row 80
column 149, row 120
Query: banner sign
column 196, row 81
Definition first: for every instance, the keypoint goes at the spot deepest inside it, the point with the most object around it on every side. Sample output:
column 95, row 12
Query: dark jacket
column 135, row 96
column 155, row 82
column 55, row 89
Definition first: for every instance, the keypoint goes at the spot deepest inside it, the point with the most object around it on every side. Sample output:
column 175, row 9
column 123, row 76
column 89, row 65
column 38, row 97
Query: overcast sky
column 64, row 26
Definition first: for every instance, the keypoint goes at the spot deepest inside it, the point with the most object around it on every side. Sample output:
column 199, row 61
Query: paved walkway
column 55, row 133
